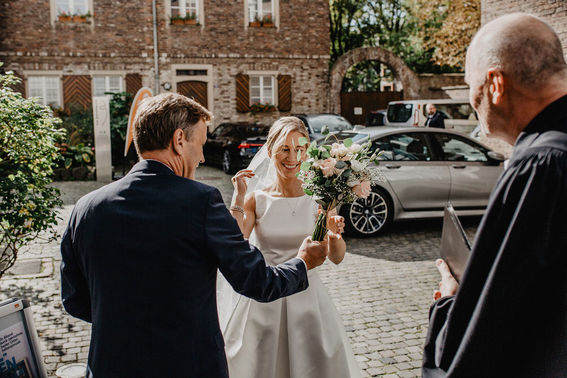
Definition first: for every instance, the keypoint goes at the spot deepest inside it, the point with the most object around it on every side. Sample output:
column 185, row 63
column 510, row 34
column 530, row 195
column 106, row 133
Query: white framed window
column 46, row 88
column 72, row 7
column 110, row 83
column 185, row 8
column 262, row 89
column 261, row 10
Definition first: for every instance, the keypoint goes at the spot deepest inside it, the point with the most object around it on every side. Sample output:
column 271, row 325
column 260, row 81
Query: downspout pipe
column 156, row 55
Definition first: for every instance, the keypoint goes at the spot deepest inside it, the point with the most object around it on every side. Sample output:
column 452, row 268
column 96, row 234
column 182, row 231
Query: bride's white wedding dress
column 300, row 336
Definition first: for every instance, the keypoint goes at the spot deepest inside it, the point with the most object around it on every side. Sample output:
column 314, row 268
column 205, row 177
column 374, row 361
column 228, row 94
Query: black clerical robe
column 509, row 317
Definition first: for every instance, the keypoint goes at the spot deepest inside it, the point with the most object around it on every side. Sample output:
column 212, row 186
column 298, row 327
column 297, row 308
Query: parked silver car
column 424, row 169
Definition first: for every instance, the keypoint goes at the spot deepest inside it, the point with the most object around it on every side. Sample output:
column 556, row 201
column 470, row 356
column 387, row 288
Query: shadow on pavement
column 411, row 240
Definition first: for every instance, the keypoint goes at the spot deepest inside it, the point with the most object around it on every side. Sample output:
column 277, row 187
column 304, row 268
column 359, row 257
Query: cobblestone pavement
column 382, row 290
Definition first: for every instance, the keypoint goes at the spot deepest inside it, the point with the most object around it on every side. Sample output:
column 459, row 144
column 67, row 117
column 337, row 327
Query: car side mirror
column 495, row 158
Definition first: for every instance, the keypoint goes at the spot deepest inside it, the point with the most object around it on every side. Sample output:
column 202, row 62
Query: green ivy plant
column 28, row 132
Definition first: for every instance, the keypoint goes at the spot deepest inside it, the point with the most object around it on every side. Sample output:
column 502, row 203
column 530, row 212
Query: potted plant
column 267, row 22
column 177, row 20
column 81, row 18
column 258, row 107
column 64, row 17
column 191, row 19
column 256, row 23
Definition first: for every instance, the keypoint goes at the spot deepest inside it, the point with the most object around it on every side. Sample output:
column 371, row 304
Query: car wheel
column 369, row 216
column 227, row 165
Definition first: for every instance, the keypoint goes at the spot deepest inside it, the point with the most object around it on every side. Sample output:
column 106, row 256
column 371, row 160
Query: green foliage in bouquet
column 336, row 174
column 28, row 132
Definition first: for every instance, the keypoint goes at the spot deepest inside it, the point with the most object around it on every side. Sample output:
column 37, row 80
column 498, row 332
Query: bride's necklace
column 294, row 208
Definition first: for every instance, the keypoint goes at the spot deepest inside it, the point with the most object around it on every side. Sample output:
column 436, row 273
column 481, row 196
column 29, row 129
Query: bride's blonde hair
column 281, row 129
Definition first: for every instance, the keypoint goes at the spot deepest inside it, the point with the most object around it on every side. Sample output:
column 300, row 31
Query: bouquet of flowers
column 336, row 174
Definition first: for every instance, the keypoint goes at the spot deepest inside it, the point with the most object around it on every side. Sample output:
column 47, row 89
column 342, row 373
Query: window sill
column 73, row 20
column 185, row 22
column 261, row 25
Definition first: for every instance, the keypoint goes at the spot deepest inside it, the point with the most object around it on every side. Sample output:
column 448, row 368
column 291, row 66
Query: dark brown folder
column 455, row 247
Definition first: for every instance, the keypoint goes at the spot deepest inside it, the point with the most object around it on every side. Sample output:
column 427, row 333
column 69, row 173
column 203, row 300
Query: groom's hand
column 312, row 252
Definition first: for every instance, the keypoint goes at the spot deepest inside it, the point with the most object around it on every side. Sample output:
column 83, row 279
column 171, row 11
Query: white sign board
column 357, row 111
column 101, row 116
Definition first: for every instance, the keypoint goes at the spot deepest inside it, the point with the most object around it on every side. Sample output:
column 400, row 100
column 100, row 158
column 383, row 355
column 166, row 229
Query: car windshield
column 399, row 112
column 252, row 130
column 333, row 122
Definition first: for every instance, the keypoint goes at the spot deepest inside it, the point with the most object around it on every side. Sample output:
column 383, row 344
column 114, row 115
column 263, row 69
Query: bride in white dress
column 300, row 336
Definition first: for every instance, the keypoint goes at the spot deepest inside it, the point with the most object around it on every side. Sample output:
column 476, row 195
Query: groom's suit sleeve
column 243, row 265
column 74, row 289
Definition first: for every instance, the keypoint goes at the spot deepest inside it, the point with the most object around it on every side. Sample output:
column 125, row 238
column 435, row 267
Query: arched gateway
column 409, row 79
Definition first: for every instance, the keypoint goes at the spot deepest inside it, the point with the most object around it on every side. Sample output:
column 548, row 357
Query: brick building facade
column 553, row 12
column 226, row 54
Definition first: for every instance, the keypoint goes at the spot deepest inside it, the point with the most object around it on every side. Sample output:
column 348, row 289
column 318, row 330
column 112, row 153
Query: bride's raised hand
column 335, row 226
column 239, row 181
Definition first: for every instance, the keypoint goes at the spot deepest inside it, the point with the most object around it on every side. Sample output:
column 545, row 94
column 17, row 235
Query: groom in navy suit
column 140, row 256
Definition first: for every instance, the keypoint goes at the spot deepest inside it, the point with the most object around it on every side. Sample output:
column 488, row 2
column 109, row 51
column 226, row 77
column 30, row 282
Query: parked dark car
column 315, row 122
column 233, row 145
column 376, row 118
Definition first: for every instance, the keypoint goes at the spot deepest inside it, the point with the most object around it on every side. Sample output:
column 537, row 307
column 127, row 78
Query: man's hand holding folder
column 455, row 250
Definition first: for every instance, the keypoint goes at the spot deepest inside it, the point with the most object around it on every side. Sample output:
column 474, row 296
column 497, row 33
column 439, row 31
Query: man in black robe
column 509, row 315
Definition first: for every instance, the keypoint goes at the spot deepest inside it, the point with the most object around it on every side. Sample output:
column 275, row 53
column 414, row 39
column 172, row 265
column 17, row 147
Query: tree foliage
column 448, row 29
column 28, row 133
column 427, row 35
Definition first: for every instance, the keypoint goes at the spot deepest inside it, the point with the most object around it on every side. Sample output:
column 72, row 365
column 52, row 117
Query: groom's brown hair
column 158, row 117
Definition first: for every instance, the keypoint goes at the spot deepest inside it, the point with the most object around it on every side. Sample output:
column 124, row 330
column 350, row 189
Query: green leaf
column 328, row 183
column 347, row 142
column 299, row 155
column 346, row 172
column 325, row 154
column 68, row 163
column 324, row 130
column 308, row 192
column 86, row 158
column 322, row 203
column 303, row 141
column 340, row 164
column 305, row 165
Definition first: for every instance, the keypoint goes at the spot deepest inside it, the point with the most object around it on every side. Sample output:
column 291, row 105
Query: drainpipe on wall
column 156, row 56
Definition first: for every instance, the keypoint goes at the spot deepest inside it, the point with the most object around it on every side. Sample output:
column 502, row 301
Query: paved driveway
column 382, row 290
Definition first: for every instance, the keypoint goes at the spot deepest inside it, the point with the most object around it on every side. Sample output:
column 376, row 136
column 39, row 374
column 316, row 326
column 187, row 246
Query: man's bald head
column 521, row 46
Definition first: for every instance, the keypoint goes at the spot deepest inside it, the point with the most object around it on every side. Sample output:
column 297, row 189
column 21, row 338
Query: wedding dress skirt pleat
column 300, row 336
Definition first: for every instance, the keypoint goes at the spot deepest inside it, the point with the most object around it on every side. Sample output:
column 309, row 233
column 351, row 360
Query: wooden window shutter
column 133, row 83
column 242, row 93
column 284, row 93
column 77, row 91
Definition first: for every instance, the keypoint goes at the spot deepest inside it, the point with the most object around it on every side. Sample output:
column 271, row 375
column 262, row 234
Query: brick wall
column 553, row 12
column 119, row 38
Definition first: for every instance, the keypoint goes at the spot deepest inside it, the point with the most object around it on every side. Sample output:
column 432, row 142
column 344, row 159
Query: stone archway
column 409, row 79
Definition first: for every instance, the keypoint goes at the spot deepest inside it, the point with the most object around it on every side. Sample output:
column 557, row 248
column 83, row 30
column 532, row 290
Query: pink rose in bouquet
column 363, row 189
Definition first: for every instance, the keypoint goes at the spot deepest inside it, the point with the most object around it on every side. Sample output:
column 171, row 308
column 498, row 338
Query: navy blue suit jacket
column 140, row 259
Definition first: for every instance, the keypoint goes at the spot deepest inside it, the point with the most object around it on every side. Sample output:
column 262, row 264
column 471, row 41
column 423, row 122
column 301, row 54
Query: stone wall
column 440, row 85
column 119, row 39
column 553, row 12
